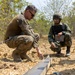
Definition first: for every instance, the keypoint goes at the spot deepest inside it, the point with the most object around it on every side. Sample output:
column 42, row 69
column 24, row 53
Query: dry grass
column 63, row 64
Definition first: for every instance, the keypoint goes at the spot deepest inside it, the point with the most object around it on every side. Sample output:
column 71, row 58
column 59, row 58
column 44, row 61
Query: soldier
column 59, row 36
column 21, row 36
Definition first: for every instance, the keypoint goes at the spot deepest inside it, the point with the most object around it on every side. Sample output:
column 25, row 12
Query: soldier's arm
column 50, row 36
column 27, row 30
column 25, row 27
column 68, row 30
column 39, row 53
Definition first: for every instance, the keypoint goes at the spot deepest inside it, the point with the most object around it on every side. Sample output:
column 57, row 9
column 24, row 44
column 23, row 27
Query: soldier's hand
column 40, row 55
column 59, row 34
column 53, row 45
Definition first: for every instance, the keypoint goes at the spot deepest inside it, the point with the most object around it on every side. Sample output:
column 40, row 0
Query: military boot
column 16, row 56
column 23, row 56
column 68, row 51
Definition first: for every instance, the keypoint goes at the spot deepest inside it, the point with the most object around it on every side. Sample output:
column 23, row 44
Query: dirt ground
column 63, row 65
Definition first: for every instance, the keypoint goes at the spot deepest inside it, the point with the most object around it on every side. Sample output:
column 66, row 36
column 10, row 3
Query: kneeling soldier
column 20, row 35
column 59, row 36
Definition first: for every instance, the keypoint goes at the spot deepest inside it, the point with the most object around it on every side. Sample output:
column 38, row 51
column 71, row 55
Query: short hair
column 31, row 7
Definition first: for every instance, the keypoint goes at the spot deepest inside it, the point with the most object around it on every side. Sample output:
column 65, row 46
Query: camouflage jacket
column 54, row 30
column 19, row 26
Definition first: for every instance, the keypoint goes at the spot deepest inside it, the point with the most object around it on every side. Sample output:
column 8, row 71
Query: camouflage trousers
column 67, row 42
column 22, row 43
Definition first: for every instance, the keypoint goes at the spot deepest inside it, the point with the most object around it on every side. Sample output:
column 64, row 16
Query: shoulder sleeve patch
column 19, row 21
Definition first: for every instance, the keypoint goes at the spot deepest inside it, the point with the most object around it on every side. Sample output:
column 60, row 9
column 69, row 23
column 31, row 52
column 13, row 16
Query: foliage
column 62, row 7
column 8, row 9
column 56, row 6
column 70, row 18
column 40, row 24
column 42, row 21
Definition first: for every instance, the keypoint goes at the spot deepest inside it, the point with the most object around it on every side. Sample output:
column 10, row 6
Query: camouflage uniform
column 20, row 35
column 67, row 36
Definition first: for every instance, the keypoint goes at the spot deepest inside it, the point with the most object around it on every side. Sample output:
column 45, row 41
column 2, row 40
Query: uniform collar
column 59, row 23
column 22, row 13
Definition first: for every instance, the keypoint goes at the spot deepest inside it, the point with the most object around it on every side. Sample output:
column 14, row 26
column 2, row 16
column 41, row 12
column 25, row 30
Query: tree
column 70, row 18
column 40, row 24
column 56, row 6
column 8, row 9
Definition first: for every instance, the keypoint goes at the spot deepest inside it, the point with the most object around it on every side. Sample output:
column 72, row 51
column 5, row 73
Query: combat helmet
column 57, row 16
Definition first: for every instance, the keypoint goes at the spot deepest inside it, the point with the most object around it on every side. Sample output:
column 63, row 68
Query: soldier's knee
column 68, row 35
column 68, row 40
column 27, row 39
column 30, row 39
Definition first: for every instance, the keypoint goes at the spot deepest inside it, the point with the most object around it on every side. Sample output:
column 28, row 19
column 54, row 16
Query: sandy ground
column 63, row 65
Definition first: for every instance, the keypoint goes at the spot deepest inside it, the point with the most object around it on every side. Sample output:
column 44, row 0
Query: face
column 56, row 21
column 29, row 14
